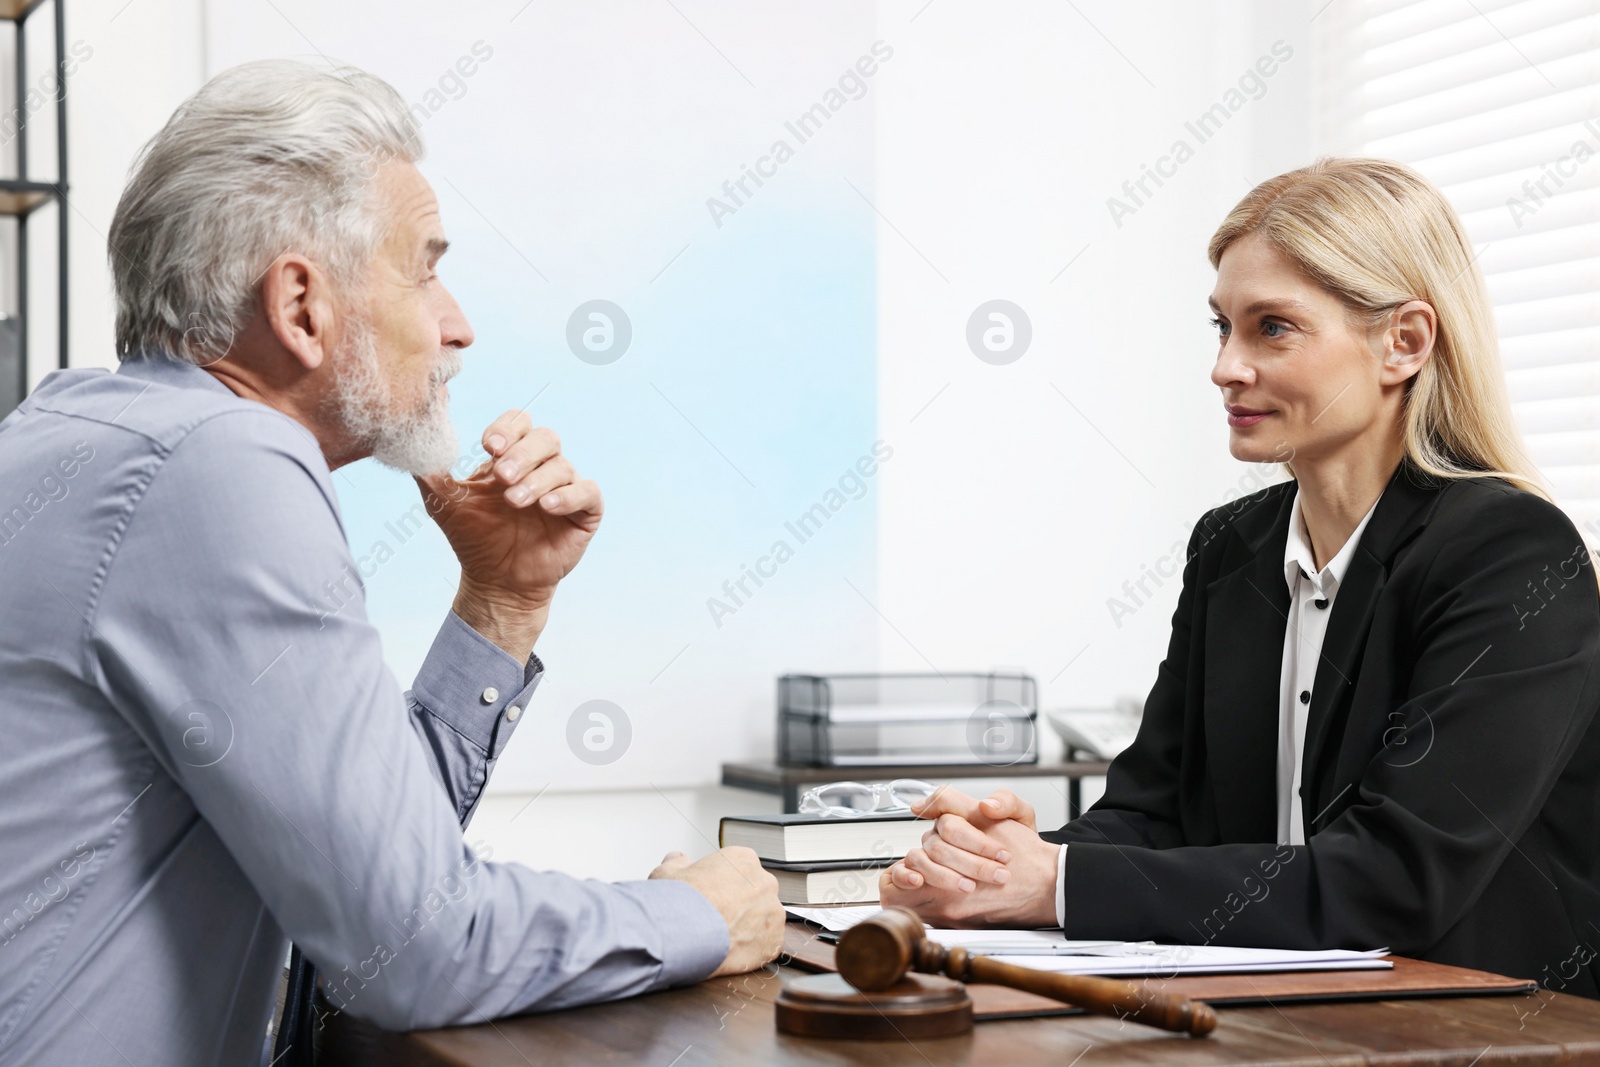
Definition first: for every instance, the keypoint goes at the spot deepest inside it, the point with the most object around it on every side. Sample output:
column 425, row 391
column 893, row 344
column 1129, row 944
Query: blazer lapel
column 1402, row 512
column 1342, row 646
column 1246, row 614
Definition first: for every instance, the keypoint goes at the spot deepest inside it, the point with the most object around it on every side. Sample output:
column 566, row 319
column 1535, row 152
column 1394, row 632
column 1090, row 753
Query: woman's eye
column 1221, row 326
column 1267, row 327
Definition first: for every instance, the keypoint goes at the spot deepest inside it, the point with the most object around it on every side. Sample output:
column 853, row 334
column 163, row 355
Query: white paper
column 1049, row 950
column 997, row 942
column 835, row 919
column 942, row 712
column 1125, row 968
column 1151, row 960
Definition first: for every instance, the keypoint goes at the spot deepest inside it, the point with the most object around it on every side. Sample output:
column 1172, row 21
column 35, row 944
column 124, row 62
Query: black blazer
column 1452, row 759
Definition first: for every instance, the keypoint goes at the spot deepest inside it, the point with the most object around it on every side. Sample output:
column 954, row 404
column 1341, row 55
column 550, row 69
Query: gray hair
column 267, row 158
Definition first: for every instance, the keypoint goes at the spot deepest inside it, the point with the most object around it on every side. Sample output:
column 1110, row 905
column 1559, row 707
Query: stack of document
column 1050, row 950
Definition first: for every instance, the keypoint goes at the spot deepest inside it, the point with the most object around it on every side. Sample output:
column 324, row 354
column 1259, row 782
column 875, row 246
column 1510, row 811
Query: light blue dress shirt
column 202, row 754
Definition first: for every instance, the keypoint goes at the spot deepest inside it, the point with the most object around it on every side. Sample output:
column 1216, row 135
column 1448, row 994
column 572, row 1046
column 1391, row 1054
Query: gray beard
column 420, row 441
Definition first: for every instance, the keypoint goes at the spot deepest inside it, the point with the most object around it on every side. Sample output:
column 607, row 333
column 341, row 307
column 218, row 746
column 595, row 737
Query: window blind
column 1498, row 103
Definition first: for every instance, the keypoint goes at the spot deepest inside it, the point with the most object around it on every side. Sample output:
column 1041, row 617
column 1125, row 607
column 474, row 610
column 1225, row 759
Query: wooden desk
column 787, row 781
column 730, row 1021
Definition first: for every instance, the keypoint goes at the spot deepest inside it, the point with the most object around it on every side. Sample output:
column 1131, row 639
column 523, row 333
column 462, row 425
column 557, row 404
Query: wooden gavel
column 877, row 952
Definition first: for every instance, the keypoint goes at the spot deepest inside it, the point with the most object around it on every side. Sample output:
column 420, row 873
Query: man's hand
column 747, row 896
column 518, row 524
column 982, row 864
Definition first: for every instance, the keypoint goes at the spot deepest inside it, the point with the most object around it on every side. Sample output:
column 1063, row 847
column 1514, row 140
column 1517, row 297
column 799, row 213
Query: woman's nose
column 1230, row 368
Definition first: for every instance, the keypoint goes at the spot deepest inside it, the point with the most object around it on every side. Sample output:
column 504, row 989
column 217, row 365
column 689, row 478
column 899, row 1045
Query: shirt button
column 513, row 713
column 1322, row 602
column 490, row 695
column 1305, row 696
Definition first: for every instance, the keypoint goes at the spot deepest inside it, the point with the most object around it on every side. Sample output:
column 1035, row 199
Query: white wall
column 145, row 58
column 1023, row 496
column 1007, row 519
column 576, row 163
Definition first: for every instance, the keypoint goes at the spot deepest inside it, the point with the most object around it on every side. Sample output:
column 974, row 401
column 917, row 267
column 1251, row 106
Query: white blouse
column 1311, row 596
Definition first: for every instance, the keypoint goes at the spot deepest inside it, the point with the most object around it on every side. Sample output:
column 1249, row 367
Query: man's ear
column 297, row 301
column 1407, row 342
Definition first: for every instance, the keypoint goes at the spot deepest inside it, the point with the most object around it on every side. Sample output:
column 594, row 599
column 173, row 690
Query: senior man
column 203, row 755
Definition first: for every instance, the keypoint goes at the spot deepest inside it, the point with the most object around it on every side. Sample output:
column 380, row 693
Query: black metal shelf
column 17, row 10
column 21, row 196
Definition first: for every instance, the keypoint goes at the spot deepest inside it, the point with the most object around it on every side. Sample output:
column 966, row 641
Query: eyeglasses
column 849, row 799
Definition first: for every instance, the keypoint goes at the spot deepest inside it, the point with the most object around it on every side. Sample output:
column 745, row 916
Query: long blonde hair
column 1377, row 234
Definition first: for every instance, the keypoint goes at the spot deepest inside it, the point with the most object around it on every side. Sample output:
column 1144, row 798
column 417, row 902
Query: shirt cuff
column 1061, row 888
column 474, row 686
column 694, row 938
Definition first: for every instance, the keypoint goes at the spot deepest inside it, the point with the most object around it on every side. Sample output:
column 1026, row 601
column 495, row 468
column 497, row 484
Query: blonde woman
column 1375, row 724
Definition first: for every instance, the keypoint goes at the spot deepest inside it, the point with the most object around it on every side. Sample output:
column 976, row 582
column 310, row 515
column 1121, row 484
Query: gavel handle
column 1103, row 996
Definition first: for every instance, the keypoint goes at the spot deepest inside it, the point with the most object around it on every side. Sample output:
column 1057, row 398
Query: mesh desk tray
column 867, row 720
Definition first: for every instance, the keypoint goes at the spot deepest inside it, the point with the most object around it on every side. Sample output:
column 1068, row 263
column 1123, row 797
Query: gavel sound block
column 876, row 993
